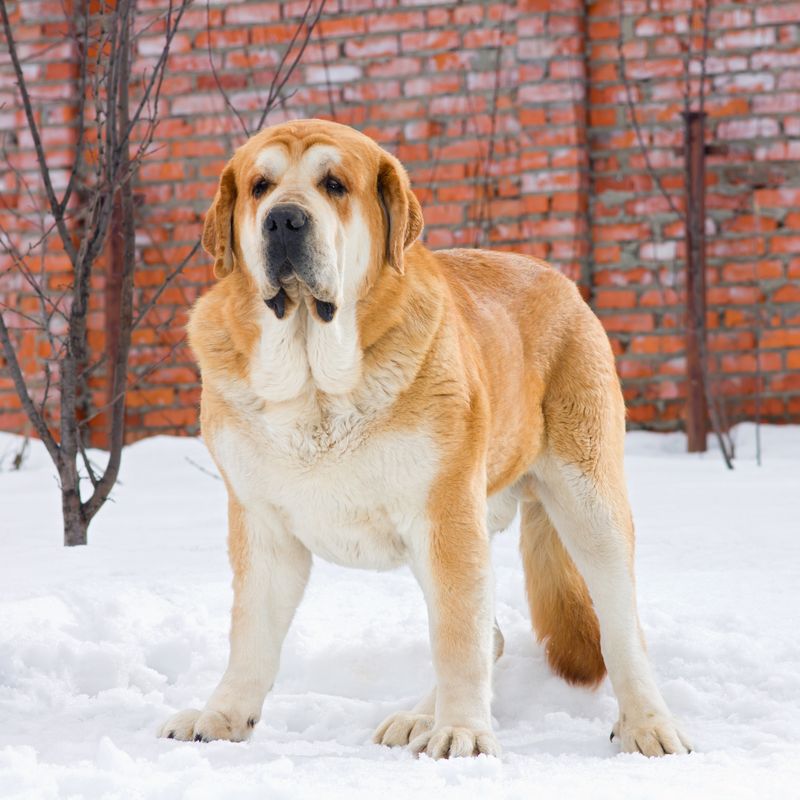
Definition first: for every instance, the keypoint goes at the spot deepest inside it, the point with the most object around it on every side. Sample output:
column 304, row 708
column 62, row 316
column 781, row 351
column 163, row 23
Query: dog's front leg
column 270, row 572
column 452, row 563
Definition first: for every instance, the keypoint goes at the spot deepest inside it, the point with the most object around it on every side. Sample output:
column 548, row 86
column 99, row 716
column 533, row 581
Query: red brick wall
column 753, row 189
column 513, row 121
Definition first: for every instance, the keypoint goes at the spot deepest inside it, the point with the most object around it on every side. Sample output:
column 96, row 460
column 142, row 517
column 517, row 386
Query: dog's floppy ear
column 404, row 215
column 218, row 226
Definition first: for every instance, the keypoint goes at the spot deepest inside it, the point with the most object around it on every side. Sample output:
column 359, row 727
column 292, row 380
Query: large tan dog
column 378, row 404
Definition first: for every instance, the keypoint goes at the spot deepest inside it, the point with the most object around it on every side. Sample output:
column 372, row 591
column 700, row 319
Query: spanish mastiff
column 376, row 404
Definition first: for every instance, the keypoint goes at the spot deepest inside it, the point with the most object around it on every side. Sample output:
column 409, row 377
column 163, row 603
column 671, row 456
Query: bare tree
column 703, row 403
column 116, row 115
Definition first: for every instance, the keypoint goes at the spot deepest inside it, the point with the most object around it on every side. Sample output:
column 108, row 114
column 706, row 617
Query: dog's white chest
column 351, row 495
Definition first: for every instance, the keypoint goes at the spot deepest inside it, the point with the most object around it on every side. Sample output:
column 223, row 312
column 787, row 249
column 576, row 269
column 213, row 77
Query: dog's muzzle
column 287, row 230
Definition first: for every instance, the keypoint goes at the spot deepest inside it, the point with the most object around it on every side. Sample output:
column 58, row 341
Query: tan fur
column 496, row 360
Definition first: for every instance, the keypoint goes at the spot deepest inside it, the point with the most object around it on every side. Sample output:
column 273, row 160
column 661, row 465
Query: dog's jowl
column 379, row 404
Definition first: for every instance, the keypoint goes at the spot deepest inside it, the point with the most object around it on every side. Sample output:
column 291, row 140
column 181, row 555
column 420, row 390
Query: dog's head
column 311, row 211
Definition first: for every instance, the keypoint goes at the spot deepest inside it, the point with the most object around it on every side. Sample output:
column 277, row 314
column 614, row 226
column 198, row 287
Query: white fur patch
column 273, row 161
column 344, row 491
column 279, row 369
column 251, row 242
column 334, row 352
column 317, row 158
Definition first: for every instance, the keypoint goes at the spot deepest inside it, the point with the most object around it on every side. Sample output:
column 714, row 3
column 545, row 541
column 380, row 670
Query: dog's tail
column 561, row 609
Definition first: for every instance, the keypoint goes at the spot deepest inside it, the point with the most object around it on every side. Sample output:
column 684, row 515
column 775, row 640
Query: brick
column 430, row 40
column 444, row 214
column 339, row 73
column 365, row 92
column 628, row 322
column 784, row 339
column 150, row 397
column 745, row 39
column 252, row 13
column 330, row 28
column 170, row 418
column 394, row 67
column 220, row 38
column 372, row 47
column 615, row 299
column 641, row 413
column 444, row 84
column 778, row 13
column 773, row 59
column 759, row 270
column 621, row 232
column 549, row 181
column 629, row 368
column 786, row 244
column 789, row 293
column 397, row 21
column 657, row 344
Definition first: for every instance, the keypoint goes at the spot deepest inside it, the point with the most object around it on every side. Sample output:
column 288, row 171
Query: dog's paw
column 399, row 729
column 651, row 735
column 206, row 726
column 449, row 742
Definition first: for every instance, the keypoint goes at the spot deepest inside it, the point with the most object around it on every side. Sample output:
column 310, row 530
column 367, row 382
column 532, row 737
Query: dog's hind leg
column 581, row 484
column 595, row 526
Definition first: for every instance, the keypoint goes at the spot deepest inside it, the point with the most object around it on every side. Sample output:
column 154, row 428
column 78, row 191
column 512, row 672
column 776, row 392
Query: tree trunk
column 75, row 523
column 697, row 410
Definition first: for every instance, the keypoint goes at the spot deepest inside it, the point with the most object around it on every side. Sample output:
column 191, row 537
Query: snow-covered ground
column 99, row 645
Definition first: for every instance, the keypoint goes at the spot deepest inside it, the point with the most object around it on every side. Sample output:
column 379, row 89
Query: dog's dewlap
column 278, row 304
column 325, row 310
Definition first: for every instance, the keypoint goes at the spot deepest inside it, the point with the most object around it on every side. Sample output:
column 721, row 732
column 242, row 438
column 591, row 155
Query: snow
column 99, row 645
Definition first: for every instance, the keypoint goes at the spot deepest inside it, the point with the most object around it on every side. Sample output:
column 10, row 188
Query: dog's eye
column 259, row 187
column 334, row 187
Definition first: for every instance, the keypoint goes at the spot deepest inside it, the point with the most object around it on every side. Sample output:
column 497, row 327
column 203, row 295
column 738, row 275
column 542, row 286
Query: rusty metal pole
column 696, row 410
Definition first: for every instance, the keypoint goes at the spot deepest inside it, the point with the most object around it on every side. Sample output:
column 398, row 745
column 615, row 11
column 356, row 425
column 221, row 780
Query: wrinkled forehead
column 276, row 161
column 306, row 160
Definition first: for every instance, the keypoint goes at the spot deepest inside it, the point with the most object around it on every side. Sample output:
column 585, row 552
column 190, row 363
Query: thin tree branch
column 146, row 308
column 44, row 170
column 86, row 461
column 202, row 469
column 157, row 78
column 225, row 96
column 325, row 66
column 80, row 143
column 635, row 122
column 276, row 87
column 40, row 426
column 137, row 382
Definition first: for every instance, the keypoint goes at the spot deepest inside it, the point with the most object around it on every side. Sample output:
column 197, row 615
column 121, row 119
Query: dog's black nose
column 286, row 217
